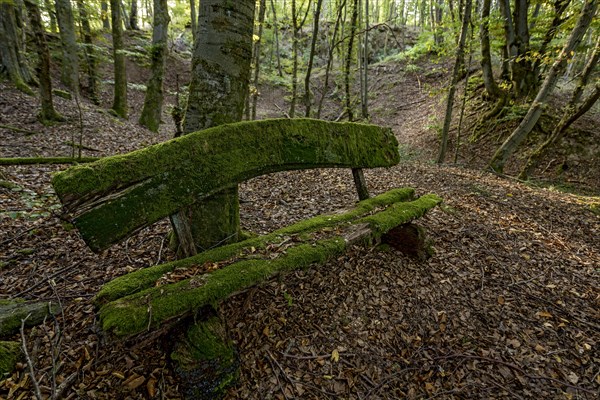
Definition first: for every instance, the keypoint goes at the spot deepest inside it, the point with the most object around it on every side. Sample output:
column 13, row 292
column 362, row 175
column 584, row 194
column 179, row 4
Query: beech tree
column 217, row 93
column 152, row 110
column 70, row 60
column 539, row 103
column 120, row 88
column 11, row 49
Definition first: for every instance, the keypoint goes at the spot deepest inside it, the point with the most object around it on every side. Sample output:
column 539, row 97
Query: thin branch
column 34, row 381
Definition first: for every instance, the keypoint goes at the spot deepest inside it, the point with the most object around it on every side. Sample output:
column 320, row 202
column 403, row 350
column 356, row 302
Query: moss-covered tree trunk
column 120, row 93
column 90, row 53
column 153, row 101
column 11, row 57
column 219, row 86
column 47, row 113
column 70, row 61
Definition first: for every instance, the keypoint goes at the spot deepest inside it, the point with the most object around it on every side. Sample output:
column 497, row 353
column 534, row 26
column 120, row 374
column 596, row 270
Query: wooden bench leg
column 205, row 359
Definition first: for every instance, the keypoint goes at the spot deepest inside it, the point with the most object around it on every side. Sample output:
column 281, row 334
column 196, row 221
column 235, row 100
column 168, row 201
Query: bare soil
column 507, row 307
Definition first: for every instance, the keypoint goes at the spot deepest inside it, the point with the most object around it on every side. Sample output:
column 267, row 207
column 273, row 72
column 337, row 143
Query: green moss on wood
column 13, row 311
column 116, row 196
column 145, row 278
column 153, row 306
column 10, row 354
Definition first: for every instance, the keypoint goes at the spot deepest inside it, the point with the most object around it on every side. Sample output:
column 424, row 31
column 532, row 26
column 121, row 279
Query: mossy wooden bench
column 111, row 199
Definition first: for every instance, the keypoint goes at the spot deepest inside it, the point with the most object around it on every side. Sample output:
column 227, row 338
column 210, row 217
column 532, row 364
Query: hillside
column 507, row 306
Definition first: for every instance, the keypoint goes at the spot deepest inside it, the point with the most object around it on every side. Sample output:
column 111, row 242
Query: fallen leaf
column 335, row 355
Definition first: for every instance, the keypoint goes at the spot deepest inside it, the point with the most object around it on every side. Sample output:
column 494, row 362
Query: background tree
column 70, row 60
column 152, row 110
column 47, row 113
column 539, row 103
column 120, row 88
column 11, row 49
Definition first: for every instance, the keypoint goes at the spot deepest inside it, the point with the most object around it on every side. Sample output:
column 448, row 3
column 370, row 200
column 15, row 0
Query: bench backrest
column 112, row 198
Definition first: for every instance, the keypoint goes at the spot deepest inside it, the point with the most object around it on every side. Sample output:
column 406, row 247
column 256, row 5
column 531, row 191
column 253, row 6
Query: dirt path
column 507, row 307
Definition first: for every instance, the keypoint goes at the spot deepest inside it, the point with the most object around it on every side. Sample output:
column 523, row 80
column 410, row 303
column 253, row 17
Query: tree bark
column 90, row 54
column 311, row 57
column 458, row 62
column 257, row 45
column 47, row 113
column 133, row 15
column 219, row 86
column 11, row 56
column 539, row 103
column 70, row 60
column 120, row 73
column 194, row 19
column 491, row 87
column 153, row 102
column 348, row 65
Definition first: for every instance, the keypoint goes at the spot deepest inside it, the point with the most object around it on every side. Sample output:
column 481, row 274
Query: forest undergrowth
column 506, row 307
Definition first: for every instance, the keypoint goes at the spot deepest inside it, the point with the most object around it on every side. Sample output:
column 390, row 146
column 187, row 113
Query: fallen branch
column 20, row 130
column 34, row 381
column 46, row 160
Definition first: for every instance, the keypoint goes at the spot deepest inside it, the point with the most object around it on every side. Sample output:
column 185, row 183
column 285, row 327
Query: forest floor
column 508, row 306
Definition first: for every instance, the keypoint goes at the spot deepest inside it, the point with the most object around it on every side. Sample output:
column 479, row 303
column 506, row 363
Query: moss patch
column 13, row 311
column 145, row 278
column 118, row 195
column 10, row 354
column 153, row 306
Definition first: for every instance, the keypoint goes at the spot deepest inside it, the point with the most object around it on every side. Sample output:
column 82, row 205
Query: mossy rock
column 10, row 355
column 14, row 310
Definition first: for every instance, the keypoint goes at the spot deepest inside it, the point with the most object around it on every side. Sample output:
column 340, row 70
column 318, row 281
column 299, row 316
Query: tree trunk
column 539, row 103
column 124, row 16
column 522, row 74
column 365, row 67
column 133, row 15
column 311, row 57
column 51, row 15
column 221, row 72
column 257, row 43
column 491, row 87
column 560, row 7
column 458, row 62
column 11, row 56
column 104, row 15
column 276, row 33
column 47, row 112
column 90, row 54
column 70, row 61
column 348, row 66
column 120, row 87
column 194, row 19
column 153, row 102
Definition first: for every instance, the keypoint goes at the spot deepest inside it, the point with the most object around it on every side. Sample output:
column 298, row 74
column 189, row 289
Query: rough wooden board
column 152, row 307
column 110, row 199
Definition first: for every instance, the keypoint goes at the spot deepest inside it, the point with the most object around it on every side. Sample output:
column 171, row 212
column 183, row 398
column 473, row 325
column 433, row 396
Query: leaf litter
column 508, row 306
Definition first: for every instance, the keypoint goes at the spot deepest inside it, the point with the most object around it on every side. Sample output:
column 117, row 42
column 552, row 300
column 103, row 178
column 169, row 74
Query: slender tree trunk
column 47, row 113
column 221, row 72
column 257, row 45
column 152, row 110
column 51, row 14
column 560, row 7
column 90, row 54
column 104, row 15
column 523, row 77
column 572, row 111
column 458, row 62
column 133, row 15
column 349, row 53
column 330, row 53
column 11, row 56
column 194, row 19
column 276, row 33
column 539, row 103
column 124, row 16
column 120, row 93
column 491, row 87
column 70, row 60
column 311, row 56
column 295, row 39
column 365, row 67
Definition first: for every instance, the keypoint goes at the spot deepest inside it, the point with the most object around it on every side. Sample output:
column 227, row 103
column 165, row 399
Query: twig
column 54, row 275
column 34, row 381
column 64, row 386
column 271, row 360
column 516, row 368
column 162, row 243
